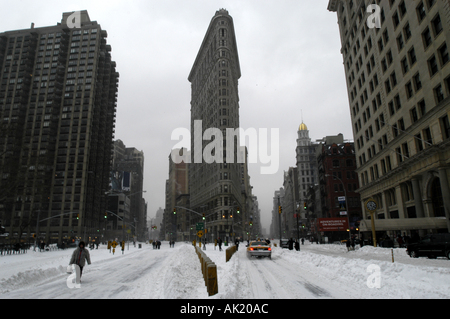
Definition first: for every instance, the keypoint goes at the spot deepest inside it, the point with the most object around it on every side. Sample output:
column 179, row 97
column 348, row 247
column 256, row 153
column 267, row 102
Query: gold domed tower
column 306, row 163
column 303, row 127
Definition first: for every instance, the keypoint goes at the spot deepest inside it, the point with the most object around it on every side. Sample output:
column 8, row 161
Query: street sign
column 114, row 244
column 199, row 226
column 200, row 233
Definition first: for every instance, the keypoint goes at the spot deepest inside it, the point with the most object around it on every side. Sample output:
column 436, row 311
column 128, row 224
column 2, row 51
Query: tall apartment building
column 398, row 80
column 277, row 224
column 215, row 189
column 291, row 203
column 128, row 175
column 176, row 226
column 58, row 95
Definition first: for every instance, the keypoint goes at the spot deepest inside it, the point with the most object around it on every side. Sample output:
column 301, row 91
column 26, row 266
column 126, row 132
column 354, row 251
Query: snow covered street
column 317, row 271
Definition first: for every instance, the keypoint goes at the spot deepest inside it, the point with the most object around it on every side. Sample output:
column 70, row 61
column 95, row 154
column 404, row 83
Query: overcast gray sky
column 290, row 59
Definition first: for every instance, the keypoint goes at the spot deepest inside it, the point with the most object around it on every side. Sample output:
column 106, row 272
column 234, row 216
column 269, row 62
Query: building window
column 437, row 25
column 443, row 54
column 335, row 163
column 427, row 136
column 421, row 13
column 438, row 93
column 426, row 36
column 412, row 56
column 445, row 126
column 433, row 66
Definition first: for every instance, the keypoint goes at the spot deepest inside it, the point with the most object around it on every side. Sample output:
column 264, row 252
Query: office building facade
column 398, row 81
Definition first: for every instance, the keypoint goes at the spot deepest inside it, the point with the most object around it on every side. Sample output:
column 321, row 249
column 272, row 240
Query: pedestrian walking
column 303, row 241
column 236, row 242
column 219, row 241
column 80, row 256
column 400, row 241
column 297, row 245
column 291, row 244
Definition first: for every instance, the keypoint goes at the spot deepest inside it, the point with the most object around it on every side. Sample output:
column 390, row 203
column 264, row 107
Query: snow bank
column 183, row 275
column 398, row 280
column 30, row 277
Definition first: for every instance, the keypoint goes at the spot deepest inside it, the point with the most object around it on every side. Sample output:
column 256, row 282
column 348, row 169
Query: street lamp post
column 346, row 205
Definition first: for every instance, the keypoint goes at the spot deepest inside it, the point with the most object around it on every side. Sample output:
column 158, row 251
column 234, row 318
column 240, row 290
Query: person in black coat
column 297, row 245
column 291, row 244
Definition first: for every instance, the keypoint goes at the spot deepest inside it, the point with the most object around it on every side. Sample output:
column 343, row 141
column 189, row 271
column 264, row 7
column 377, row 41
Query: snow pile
column 397, row 280
column 30, row 277
column 182, row 275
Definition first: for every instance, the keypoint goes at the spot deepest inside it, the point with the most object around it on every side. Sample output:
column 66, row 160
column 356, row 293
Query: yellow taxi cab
column 259, row 248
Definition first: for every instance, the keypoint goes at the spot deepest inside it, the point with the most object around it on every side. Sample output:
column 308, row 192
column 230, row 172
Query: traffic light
column 238, row 210
column 78, row 216
column 304, row 205
column 203, row 216
column 280, row 209
column 106, row 215
column 231, row 215
column 174, row 211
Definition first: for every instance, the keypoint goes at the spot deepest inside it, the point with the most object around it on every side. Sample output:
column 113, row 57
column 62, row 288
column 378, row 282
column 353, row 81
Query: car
column 284, row 243
column 259, row 249
column 431, row 246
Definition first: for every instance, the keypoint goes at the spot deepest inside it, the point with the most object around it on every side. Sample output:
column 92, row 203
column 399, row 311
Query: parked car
column 432, row 246
column 284, row 243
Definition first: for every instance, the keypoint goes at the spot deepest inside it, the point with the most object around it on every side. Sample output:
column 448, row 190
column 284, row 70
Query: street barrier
column 209, row 271
column 229, row 252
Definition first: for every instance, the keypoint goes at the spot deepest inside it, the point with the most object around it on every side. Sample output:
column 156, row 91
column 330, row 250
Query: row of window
column 421, row 141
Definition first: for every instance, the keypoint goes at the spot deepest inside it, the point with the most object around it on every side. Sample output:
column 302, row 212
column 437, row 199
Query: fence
column 209, row 271
column 11, row 249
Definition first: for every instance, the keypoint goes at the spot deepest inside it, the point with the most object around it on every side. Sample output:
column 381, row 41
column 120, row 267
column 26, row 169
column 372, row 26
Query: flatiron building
column 216, row 188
